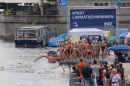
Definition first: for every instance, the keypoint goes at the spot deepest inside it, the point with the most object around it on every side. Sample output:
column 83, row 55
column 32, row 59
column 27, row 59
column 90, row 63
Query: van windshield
column 27, row 34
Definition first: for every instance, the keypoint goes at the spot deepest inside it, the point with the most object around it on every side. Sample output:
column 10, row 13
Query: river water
column 17, row 61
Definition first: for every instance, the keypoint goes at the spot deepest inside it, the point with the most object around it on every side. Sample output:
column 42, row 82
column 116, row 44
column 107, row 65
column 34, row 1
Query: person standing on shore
column 87, row 74
column 80, row 65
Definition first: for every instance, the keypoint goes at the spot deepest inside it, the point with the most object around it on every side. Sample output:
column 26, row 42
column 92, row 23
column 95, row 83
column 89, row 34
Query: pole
column 67, row 18
column 118, row 9
column 118, row 22
column 67, row 26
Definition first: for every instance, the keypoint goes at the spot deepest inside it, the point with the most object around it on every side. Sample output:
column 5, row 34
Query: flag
column 63, row 2
column 118, row 3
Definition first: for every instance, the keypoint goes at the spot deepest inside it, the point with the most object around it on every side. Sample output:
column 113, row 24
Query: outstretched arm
column 39, row 57
column 79, row 52
column 63, row 68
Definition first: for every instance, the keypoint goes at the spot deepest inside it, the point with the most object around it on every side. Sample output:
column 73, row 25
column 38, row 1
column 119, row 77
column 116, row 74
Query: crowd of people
column 99, row 74
column 83, row 48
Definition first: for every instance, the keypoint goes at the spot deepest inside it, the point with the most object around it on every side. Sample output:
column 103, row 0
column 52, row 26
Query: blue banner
column 63, row 2
column 93, row 18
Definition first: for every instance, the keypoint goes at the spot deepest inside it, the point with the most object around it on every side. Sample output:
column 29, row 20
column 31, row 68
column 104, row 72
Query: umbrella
column 125, row 35
column 120, row 47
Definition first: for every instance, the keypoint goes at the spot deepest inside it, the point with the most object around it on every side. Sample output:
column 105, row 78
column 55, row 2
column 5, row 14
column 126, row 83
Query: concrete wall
column 9, row 23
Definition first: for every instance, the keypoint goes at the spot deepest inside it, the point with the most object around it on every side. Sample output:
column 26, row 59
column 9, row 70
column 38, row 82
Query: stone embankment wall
column 9, row 23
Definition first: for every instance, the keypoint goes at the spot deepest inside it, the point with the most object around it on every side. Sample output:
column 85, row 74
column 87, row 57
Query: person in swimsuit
column 75, row 54
column 106, row 44
column 103, row 50
column 78, row 52
column 86, row 48
column 97, row 50
column 94, row 50
column 69, row 49
column 89, row 52
column 67, row 40
column 65, row 52
column 60, row 51
column 61, row 43
column 80, row 49
column 52, row 57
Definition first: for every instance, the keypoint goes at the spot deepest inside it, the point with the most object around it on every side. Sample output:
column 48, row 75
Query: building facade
column 124, row 12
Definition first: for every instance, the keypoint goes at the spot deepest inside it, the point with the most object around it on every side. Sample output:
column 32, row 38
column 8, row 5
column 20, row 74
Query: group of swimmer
column 83, row 48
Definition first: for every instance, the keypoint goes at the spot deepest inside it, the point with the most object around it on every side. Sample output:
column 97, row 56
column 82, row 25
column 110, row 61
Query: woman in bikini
column 105, row 49
column 103, row 52
column 97, row 49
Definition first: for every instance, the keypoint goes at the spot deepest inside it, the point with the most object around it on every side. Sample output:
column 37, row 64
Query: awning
column 85, row 31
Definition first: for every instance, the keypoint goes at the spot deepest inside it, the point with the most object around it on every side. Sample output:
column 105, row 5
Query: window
column 101, row 4
column 27, row 33
column 125, row 4
column 41, row 32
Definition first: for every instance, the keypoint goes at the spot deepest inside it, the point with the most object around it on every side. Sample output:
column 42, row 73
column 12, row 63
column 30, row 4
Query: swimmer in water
column 2, row 67
column 52, row 57
column 30, row 70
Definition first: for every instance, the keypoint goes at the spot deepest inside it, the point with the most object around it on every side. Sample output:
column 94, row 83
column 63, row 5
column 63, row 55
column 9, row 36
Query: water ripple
column 17, row 62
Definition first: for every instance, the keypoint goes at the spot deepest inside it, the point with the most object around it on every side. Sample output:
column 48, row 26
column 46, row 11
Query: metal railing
column 75, row 81
column 126, row 83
